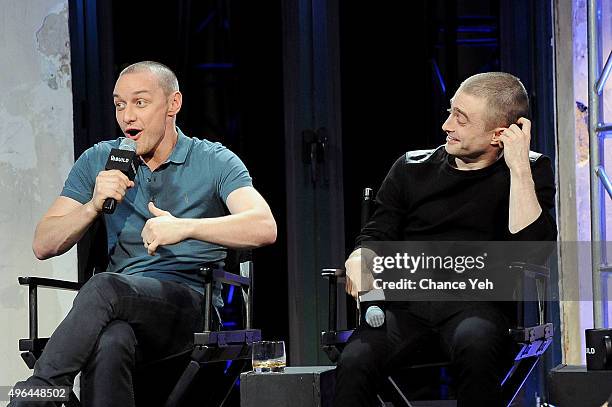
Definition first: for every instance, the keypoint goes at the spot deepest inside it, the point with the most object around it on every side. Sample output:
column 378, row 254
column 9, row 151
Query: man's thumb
column 155, row 210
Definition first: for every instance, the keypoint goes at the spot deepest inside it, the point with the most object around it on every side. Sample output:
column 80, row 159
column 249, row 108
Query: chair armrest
column 244, row 280
column 537, row 277
column 224, row 277
column 337, row 274
column 532, row 334
column 33, row 283
column 50, row 283
column 332, row 275
column 334, row 338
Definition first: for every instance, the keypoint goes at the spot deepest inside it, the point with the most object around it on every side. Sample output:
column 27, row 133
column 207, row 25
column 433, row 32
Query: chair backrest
column 92, row 251
column 367, row 205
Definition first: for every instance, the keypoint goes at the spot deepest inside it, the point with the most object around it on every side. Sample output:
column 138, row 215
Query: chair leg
column 399, row 392
column 233, row 382
column 181, row 387
column 515, row 379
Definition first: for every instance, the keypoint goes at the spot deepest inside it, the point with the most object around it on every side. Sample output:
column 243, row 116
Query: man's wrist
column 521, row 173
column 192, row 228
column 91, row 210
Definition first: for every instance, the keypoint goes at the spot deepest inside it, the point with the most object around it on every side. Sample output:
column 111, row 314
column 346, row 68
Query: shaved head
column 506, row 96
column 165, row 77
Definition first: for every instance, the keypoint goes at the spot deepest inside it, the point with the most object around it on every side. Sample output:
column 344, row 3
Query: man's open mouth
column 133, row 133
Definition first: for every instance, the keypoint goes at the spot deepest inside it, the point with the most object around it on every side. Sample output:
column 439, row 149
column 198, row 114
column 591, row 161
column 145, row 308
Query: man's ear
column 175, row 103
column 497, row 132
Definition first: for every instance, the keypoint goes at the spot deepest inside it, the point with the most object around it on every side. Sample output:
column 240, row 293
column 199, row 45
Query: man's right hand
column 66, row 220
column 110, row 184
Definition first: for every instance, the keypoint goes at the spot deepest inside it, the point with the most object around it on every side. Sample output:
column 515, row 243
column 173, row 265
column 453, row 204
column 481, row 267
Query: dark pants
column 117, row 324
column 474, row 338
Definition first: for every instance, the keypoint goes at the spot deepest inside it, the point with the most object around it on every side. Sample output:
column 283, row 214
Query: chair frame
column 533, row 340
column 209, row 346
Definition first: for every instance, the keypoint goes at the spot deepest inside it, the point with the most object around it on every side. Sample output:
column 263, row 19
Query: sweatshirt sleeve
column 386, row 222
column 544, row 227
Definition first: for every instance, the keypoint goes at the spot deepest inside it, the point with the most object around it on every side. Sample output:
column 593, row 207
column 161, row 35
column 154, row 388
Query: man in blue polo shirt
column 189, row 200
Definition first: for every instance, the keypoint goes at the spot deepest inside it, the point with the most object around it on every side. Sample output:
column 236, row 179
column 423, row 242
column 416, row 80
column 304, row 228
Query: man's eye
column 458, row 116
column 119, row 105
column 140, row 103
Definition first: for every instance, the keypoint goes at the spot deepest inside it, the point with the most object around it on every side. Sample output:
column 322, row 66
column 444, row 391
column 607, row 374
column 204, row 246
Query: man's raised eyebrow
column 461, row 112
column 458, row 110
column 133, row 93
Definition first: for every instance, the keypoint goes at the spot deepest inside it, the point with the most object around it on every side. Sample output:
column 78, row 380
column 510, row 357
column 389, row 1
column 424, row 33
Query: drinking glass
column 269, row 356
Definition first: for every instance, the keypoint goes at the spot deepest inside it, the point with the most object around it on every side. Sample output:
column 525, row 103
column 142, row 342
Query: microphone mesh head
column 127, row 144
column 375, row 316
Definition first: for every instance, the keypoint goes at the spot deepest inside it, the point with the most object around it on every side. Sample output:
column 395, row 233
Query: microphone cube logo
column 119, row 159
column 124, row 161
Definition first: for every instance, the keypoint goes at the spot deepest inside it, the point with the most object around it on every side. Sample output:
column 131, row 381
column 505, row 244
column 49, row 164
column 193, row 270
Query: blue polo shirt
column 193, row 182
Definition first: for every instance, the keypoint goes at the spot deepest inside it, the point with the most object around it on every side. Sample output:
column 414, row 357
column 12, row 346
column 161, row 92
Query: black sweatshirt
column 424, row 197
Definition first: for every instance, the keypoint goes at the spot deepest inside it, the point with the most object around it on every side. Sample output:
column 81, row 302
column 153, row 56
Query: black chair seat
column 224, row 345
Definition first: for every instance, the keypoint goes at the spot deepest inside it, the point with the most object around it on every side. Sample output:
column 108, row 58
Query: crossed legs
column 117, row 321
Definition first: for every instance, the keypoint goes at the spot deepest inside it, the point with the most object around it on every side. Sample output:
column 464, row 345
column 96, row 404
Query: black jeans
column 118, row 323
column 475, row 338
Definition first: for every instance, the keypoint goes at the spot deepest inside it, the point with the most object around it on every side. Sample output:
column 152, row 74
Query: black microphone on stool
column 124, row 160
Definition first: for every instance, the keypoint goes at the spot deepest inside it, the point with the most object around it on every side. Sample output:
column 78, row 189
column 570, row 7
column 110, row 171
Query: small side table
column 573, row 386
column 303, row 386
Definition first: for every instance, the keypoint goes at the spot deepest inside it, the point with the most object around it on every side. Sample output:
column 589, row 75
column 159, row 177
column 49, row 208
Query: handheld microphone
column 124, row 160
column 373, row 301
column 375, row 316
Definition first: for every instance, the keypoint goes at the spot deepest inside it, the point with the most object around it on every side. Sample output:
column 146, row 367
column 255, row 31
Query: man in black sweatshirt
column 482, row 185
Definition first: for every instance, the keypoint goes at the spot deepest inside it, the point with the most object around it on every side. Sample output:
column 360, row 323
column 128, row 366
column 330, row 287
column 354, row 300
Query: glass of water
column 269, row 356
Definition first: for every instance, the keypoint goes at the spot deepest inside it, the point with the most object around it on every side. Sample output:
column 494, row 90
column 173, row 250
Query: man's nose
column 447, row 125
column 128, row 114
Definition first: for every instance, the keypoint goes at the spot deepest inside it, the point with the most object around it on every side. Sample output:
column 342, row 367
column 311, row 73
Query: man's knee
column 100, row 289
column 102, row 281
column 358, row 356
column 479, row 341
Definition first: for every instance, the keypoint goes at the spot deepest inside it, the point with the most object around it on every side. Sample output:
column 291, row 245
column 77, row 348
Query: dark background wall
column 400, row 66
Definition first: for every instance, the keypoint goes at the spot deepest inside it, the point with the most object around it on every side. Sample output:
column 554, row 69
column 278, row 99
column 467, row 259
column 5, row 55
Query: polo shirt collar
column 179, row 153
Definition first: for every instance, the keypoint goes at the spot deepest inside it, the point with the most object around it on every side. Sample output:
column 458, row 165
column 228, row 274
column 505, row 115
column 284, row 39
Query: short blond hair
column 166, row 78
column 506, row 96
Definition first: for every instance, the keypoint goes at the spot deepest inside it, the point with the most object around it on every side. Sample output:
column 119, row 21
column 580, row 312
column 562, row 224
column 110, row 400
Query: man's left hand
column 163, row 229
column 515, row 141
